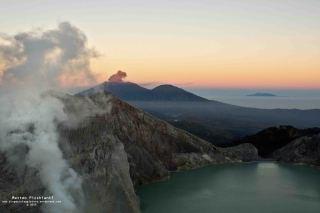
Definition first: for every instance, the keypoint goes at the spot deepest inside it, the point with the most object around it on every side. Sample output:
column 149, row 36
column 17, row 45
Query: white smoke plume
column 34, row 63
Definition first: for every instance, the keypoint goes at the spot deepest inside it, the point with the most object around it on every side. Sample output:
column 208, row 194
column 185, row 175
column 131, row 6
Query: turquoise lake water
column 264, row 187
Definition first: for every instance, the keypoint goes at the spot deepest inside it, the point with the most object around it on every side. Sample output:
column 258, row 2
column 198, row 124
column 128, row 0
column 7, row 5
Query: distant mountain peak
column 262, row 94
column 129, row 91
column 166, row 86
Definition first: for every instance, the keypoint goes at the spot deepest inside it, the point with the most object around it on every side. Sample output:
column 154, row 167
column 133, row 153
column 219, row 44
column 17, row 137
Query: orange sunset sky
column 216, row 43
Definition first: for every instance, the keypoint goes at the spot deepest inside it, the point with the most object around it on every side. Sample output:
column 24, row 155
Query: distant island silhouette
column 262, row 94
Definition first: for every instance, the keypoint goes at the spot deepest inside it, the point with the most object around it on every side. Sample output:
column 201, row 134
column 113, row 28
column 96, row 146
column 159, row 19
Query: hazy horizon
column 283, row 99
column 217, row 43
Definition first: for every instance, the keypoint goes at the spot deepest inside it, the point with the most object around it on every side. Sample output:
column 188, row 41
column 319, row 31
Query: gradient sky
column 203, row 43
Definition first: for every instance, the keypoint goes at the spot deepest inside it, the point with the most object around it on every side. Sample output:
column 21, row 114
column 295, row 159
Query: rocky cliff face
column 105, row 175
column 155, row 147
column 113, row 147
column 244, row 152
column 92, row 151
column 304, row 150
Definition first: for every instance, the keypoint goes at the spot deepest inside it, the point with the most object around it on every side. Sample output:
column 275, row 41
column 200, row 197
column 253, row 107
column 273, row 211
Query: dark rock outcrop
column 244, row 152
column 304, row 150
column 271, row 139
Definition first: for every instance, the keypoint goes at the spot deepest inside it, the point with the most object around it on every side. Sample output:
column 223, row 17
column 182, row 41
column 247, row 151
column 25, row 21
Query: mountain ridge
column 213, row 121
column 129, row 91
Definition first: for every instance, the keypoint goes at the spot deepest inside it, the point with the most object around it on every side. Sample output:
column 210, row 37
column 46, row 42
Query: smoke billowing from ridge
column 118, row 77
column 34, row 63
column 54, row 57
